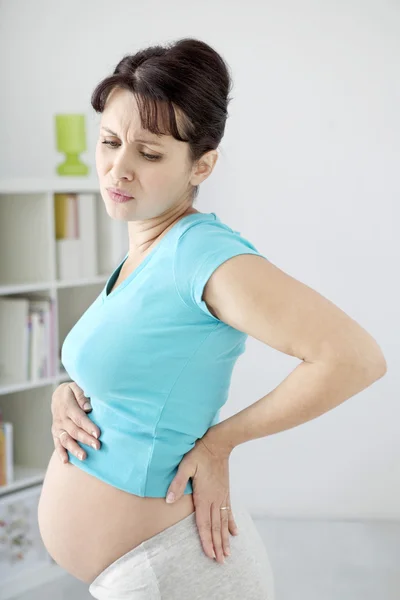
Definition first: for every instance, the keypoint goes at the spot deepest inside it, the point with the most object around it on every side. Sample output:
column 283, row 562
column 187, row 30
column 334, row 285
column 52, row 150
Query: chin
column 117, row 212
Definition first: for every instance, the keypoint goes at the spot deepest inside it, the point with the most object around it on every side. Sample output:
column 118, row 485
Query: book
column 88, row 234
column 76, row 235
column 41, row 348
column 61, row 215
column 14, row 339
column 6, row 452
column 114, row 240
column 68, row 253
column 27, row 330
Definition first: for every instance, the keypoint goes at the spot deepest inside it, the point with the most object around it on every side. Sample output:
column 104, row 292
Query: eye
column 111, row 144
column 151, row 157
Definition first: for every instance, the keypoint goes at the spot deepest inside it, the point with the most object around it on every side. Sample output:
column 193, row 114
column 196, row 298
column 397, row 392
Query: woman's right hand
column 67, row 408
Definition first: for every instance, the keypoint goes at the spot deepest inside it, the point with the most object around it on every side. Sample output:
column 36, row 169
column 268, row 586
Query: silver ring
column 225, row 508
column 59, row 437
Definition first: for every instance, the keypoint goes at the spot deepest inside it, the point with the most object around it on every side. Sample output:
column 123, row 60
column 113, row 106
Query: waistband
column 170, row 536
column 163, row 540
column 179, row 531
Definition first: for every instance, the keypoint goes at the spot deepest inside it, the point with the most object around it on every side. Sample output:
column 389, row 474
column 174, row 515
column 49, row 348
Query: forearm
column 310, row 390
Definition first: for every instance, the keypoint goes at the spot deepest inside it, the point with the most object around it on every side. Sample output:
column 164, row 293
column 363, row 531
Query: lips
column 118, row 195
column 119, row 192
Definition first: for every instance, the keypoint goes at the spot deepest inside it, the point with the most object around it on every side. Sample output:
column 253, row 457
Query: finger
column 68, row 443
column 225, row 530
column 85, row 423
column 84, row 429
column 203, row 522
column 74, row 433
column 79, row 395
column 233, row 528
column 61, row 452
column 76, row 426
column 72, row 402
column 216, row 532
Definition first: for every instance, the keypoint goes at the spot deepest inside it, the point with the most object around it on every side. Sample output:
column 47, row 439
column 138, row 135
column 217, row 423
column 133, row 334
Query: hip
column 172, row 565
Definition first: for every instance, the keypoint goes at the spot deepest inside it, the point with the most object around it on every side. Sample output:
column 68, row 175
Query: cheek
column 97, row 156
column 164, row 177
column 101, row 160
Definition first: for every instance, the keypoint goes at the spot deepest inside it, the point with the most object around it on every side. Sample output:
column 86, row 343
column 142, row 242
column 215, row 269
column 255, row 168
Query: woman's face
column 156, row 171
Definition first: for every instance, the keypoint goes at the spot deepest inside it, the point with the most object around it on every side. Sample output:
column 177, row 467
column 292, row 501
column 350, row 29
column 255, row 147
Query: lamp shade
column 71, row 134
column 71, row 139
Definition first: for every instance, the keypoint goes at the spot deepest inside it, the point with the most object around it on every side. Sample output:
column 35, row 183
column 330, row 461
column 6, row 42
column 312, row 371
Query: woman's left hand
column 208, row 465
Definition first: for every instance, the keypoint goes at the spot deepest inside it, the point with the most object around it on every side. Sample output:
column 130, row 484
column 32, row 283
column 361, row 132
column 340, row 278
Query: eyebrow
column 137, row 140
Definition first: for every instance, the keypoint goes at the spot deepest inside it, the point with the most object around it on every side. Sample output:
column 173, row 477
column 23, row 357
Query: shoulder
column 202, row 234
column 203, row 246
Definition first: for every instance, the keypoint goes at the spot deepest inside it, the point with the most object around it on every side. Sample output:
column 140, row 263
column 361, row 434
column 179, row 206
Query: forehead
column 121, row 115
column 122, row 106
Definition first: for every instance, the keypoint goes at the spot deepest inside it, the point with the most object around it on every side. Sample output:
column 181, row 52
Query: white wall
column 308, row 172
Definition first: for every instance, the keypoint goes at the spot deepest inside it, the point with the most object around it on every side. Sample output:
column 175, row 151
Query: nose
column 122, row 167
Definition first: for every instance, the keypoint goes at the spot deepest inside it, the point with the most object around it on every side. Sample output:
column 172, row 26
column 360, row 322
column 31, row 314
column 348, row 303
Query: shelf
column 36, row 287
column 23, row 477
column 56, row 184
column 78, row 282
column 29, row 385
column 24, row 288
column 29, row 266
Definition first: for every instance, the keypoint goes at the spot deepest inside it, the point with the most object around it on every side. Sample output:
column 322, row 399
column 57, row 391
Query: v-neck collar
column 106, row 295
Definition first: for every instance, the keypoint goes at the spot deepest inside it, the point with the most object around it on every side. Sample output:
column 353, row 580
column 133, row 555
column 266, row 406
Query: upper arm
column 252, row 295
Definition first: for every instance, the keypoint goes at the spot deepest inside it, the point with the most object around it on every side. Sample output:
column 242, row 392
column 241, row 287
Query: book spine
column 3, row 473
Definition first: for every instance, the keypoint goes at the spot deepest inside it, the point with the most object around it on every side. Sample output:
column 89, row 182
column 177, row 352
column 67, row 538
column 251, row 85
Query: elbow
column 372, row 362
column 382, row 367
column 367, row 360
column 376, row 360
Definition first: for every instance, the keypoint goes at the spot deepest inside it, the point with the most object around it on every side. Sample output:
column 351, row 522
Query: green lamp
column 71, row 139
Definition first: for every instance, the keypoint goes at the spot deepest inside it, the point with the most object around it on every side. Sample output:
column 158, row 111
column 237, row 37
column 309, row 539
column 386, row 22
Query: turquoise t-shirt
column 154, row 361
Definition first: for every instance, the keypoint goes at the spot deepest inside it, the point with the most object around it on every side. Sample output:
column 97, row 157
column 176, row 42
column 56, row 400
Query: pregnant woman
column 155, row 351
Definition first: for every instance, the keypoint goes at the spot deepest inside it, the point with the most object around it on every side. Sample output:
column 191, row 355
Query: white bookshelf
column 28, row 265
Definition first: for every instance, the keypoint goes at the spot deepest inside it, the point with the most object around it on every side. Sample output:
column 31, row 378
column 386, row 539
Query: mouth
column 118, row 196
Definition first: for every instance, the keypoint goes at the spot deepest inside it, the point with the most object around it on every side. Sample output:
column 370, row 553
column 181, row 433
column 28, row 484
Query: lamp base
column 72, row 166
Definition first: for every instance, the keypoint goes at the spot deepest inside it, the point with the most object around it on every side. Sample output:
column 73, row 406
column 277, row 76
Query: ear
column 204, row 167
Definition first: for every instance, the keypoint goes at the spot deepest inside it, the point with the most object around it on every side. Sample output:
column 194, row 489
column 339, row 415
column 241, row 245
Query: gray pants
column 172, row 565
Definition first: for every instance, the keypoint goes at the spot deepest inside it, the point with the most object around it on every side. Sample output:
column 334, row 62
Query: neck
column 143, row 235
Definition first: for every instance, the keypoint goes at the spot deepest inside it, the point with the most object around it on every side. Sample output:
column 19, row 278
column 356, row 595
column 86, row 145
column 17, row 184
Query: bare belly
column 86, row 524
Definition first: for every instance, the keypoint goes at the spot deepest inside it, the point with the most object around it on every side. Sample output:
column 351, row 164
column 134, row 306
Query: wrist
column 217, row 441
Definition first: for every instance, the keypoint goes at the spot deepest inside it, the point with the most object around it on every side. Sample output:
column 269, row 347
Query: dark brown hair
column 186, row 78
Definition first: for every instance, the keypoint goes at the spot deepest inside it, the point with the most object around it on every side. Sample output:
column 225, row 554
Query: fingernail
column 94, row 434
column 94, row 446
column 87, row 406
column 170, row 497
column 214, row 554
column 80, row 455
column 228, row 552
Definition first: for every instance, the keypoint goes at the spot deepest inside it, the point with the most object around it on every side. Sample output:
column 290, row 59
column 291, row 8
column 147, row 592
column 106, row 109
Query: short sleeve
column 200, row 250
